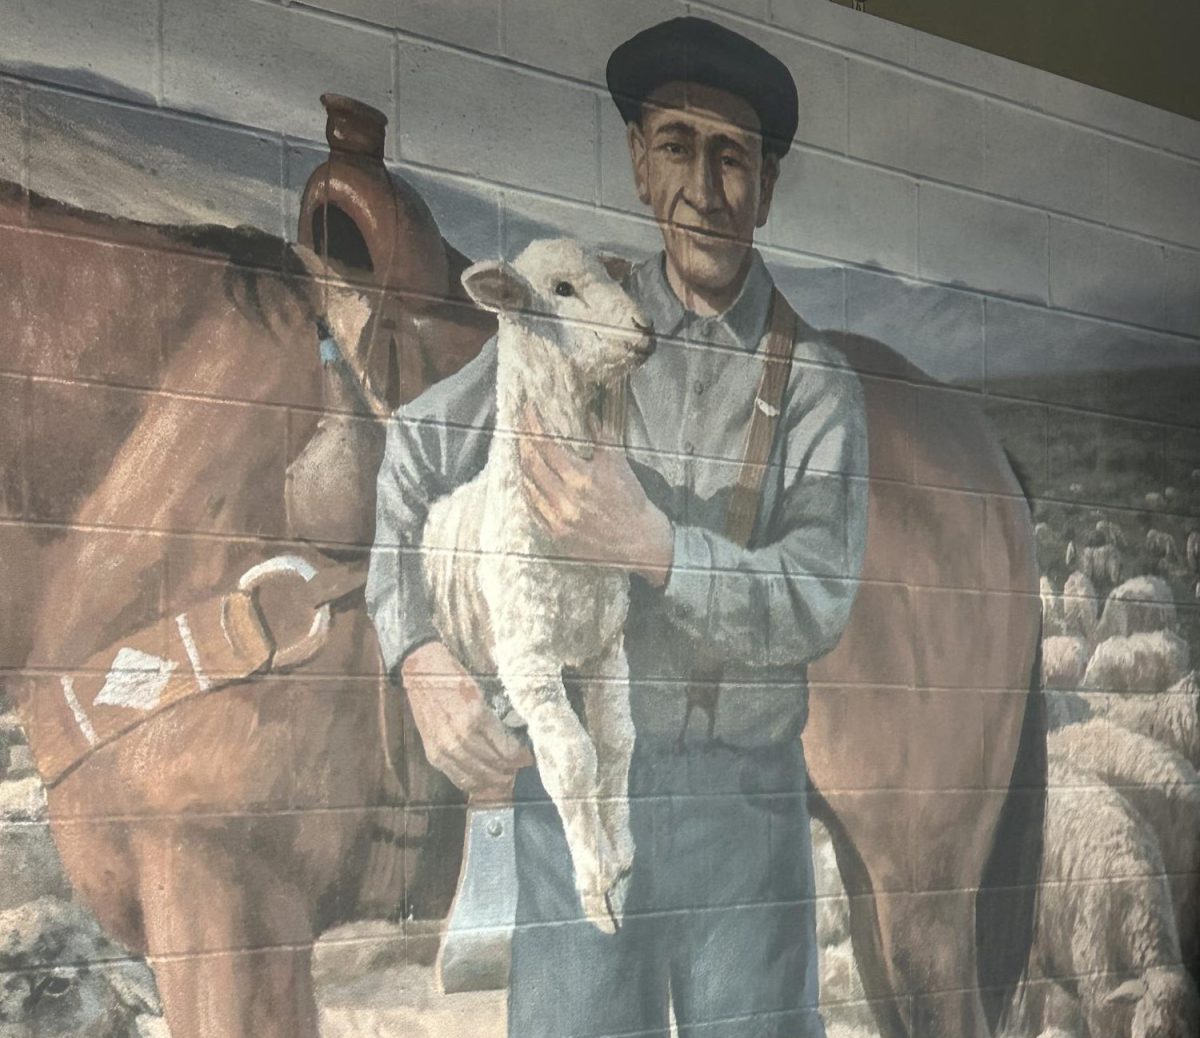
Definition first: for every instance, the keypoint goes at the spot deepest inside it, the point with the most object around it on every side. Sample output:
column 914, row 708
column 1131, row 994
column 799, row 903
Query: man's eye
column 731, row 162
column 564, row 288
column 672, row 148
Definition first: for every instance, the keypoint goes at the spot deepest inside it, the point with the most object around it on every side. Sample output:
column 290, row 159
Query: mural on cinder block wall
column 403, row 634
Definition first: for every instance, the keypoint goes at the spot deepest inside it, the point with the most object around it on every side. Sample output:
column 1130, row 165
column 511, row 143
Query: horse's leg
column 566, row 761
column 228, row 935
column 610, row 724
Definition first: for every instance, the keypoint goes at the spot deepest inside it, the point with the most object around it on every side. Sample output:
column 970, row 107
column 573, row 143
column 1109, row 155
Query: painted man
column 719, row 916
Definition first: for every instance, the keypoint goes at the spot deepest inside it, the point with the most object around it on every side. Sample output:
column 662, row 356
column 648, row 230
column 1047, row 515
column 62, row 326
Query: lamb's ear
column 619, row 268
column 495, row 285
column 1126, row 994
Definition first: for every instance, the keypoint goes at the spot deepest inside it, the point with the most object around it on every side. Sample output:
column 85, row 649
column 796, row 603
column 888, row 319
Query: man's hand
column 463, row 738
column 595, row 509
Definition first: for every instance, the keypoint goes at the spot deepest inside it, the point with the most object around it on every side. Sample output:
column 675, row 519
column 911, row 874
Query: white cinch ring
column 291, row 565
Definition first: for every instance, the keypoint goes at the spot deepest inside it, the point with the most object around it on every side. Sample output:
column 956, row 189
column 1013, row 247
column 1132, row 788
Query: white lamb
column 1104, row 919
column 503, row 604
column 1080, row 607
column 1143, row 662
column 1162, row 787
column 1064, row 661
column 1141, row 604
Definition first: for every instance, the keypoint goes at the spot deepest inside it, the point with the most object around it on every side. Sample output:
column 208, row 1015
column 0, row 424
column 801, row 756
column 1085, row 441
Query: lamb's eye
column 564, row 288
column 57, row 986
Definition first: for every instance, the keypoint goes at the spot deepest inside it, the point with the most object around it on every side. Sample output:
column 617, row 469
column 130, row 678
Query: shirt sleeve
column 434, row 444
column 785, row 601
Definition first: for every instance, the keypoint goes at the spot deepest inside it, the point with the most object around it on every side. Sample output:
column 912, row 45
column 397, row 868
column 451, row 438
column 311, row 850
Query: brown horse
column 222, row 835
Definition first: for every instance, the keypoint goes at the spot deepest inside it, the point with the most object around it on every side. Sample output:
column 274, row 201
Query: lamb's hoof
column 614, row 899
column 595, row 907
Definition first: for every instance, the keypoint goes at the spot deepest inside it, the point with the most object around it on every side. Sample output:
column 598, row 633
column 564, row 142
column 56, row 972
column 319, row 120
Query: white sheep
column 1079, row 607
column 61, row 977
column 1100, row 563
column 1064, row 661
column 1164, row 789
column 1052, row 609
column 1140, row 604
column 1142, row 662
column 1104, row 919
column 502, row 603
column 1171, row 717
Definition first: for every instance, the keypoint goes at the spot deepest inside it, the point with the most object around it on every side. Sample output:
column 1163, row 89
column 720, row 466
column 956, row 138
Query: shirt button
column 698, row 386
column 689, row 448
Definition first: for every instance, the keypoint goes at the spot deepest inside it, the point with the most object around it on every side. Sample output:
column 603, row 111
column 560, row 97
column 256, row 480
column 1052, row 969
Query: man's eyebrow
column 675, row 127
column 725, row 141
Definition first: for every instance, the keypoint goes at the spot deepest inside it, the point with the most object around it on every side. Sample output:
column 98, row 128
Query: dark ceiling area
column 1145, row 49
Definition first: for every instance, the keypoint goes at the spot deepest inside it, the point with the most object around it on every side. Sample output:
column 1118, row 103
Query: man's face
column 698, row 162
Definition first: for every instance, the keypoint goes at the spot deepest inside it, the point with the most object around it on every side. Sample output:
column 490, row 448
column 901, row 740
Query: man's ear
column 618, row 267
column 639, row 156
column 767, row 178
column 495, row 285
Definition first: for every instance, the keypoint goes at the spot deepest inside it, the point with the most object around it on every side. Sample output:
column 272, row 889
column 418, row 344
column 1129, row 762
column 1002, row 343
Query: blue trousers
column 719, row 920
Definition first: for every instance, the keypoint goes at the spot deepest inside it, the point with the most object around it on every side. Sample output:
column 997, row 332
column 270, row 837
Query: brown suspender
column 704, row 684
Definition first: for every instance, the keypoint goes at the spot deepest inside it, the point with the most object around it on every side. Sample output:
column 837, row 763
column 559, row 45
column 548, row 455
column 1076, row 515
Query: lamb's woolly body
column 1104, row 930
column 504, row 604
column 1143, row 662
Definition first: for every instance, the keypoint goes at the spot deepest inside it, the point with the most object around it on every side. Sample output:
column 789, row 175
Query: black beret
column 695, row 50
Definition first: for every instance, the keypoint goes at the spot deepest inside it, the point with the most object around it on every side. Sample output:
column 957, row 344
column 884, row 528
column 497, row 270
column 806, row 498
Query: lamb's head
column 61, row 977
column 1162, row 1003
column 569, row 306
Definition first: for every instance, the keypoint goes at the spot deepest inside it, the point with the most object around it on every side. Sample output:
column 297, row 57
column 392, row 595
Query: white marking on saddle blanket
column 135, row 680
column 765, row 408
column 193, row 654
column 81, row 719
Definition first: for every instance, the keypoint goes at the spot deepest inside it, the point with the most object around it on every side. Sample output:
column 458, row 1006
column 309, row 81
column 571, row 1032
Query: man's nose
column 703, row 188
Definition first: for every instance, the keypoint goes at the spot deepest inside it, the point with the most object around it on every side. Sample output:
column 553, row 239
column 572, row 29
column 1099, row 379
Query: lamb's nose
column 647, row 328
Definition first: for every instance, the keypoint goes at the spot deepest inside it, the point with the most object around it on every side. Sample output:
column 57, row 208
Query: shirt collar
column 744, row 322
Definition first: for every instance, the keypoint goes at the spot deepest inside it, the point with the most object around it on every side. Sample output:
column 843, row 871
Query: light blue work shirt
column 760, row 612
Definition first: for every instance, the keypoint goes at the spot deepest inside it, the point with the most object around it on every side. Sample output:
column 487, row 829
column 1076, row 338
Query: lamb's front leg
column 610, row 724
column 566, row 760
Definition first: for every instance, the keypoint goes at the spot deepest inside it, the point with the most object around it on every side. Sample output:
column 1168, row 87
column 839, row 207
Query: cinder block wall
column 1024, row 238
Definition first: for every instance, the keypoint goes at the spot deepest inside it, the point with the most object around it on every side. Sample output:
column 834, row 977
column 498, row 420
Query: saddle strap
column 218, row 641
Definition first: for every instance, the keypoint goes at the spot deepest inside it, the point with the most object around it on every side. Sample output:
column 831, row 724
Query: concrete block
column 152, row 166
column 496, row 122
column 938, row 329
column 757, row 9
column 844, row 210
column 913, row 124
column 466, row 23
column 1182, row 291
column 576, row 39
column 844, row 27
column 975, row 69
column 528, row 216
column 1098, row 271
column 267, row 66
column 972, row 240
column 815, row 290
column 13, row 392
column 1154, row 193
column 12, row 134
column 1058, row 358
column 104, row 46
column 1045, row 162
